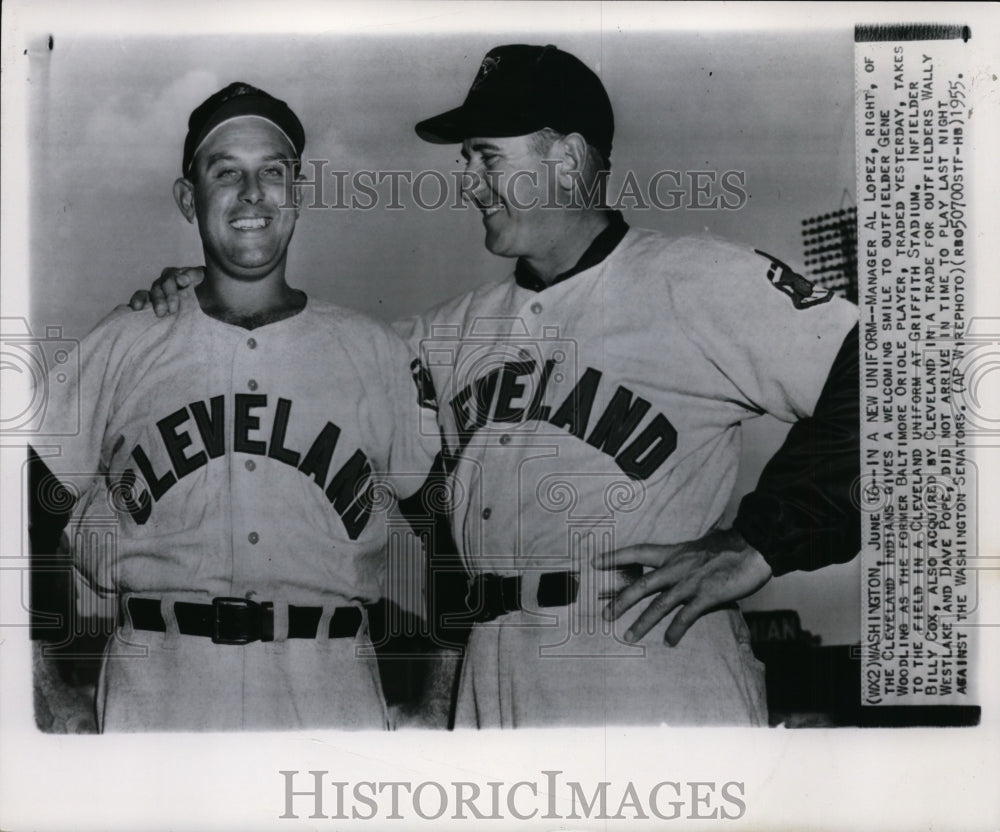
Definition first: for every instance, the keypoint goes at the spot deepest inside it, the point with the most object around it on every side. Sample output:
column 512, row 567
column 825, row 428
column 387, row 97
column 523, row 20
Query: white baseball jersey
column 602, row 412
column 246, row 463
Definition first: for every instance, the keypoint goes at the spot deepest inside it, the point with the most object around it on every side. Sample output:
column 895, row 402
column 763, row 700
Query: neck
column 248, row 302
column 578, row 230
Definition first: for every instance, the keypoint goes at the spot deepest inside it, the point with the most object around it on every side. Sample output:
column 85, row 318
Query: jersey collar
column 603, row 244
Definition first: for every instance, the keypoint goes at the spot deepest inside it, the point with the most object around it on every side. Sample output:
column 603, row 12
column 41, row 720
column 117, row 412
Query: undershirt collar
column 601, row 246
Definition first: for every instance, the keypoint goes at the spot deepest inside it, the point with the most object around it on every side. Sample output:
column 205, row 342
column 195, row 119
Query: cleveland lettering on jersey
column 493, row 397
column 348, row 490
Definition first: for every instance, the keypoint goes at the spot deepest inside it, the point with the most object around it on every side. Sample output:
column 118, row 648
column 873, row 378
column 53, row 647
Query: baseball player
column 605, row 427
column 590, row 408
column 238, row 448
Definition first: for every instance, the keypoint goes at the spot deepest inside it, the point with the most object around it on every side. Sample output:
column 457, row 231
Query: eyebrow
column 478, row 146
column 221, row 156
column 218, row 157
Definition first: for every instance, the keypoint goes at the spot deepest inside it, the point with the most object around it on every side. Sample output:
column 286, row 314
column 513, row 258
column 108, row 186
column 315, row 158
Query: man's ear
column 184, row 197
column 573, row 159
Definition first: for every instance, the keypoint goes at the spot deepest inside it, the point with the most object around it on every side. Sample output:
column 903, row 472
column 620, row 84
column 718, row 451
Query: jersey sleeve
column 69, row 449
column 801, row 515
column 415, row 437
column 766, row 328
column 790, row 349
column 411, row 330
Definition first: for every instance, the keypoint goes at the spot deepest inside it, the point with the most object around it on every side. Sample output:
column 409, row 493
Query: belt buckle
column 251, row 631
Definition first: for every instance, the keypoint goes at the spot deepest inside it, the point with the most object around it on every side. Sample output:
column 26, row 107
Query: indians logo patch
column 789, row 281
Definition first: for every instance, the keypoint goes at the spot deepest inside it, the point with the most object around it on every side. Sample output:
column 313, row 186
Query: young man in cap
column 236, row 449
column 604, row 431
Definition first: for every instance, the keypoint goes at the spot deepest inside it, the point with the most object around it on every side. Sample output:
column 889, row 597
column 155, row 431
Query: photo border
column 810, row 779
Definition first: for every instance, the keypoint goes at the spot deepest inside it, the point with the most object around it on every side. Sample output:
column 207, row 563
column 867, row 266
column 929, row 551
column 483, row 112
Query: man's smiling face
column 506, row 180
column 242, row 198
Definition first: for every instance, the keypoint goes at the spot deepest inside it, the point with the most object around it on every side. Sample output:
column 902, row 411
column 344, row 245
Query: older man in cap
column 606, row 429
column 238, row 447
column 590, row 406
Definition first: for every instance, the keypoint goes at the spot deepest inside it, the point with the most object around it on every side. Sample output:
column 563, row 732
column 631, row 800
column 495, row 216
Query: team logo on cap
column 784, row 278
column 488, row 65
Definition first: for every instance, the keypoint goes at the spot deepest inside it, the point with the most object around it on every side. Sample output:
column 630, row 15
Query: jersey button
column 487, row 512
column 536, row 308
column 252, row 384
column 250, row 464
column 253, row 537
column 505, row 439
column 252, row 343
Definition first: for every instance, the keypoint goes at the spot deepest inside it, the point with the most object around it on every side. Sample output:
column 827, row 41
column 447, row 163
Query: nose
column 251, row 192
column 473, row 182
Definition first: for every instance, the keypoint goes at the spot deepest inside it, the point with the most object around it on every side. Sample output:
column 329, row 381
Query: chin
column 254, row 264
column 246, row 270
column 255, row 271
column 496, row 246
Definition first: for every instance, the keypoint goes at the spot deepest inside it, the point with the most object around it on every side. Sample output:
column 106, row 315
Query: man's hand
column 59, row 707
column 435, row 673
column 163, row 293
column 696, row 576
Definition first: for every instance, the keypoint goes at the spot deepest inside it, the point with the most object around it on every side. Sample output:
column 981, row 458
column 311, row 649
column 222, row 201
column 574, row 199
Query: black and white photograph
column 535, row 415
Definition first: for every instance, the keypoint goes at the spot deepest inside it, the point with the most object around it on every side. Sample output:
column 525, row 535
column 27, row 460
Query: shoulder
column 124, row 319
column 484, row 296
column 689, row 257
column 457, row 309
column 345, row 321
column 368, row 344
column 123, row 327
column 709, row 269
column 125, row 338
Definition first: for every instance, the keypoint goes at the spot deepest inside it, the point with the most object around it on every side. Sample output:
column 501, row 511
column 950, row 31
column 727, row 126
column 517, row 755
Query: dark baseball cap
column 520, row 89
column 239, row 99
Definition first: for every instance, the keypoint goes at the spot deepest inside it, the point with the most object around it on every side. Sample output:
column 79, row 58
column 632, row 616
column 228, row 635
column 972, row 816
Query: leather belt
column 492, row 595
column 240, row 620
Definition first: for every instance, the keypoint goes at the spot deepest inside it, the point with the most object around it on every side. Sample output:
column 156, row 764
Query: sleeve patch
column 786, row 280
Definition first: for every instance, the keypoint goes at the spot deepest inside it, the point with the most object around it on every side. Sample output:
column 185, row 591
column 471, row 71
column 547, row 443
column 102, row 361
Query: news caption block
column 918, row 480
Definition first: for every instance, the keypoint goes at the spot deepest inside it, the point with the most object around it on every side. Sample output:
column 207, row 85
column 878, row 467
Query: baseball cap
column 520, row 89
column 239, row 99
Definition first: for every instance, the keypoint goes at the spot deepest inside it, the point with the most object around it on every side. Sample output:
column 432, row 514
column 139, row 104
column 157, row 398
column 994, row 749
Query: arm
column 800, row 516
column 439, row 659
column 61, row 456
column 50, row 508
column 435, row 655
column 60, row 708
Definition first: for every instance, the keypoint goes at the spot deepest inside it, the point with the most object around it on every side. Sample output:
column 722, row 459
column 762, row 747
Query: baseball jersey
column 604, row 411
column 211, row 460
